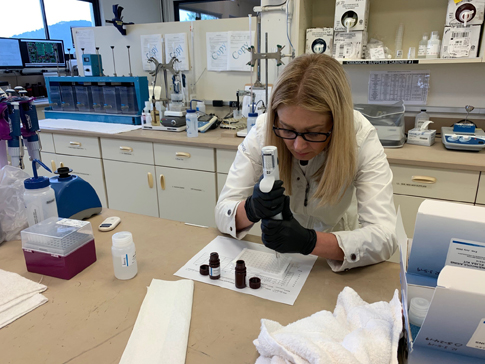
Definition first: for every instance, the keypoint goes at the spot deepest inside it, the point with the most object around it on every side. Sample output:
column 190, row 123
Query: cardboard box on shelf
column 460, row 41
column 350, row 45
column 319, row 41
column 472, row 10
column 358, row 10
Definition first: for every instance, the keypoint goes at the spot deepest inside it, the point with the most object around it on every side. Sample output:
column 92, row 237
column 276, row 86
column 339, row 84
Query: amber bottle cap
column 254, row 282
column 204, row 269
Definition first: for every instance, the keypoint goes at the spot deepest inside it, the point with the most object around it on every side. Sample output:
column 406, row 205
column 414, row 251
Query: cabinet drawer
column 127, row 151
column 481, row 190
column 77, row 145
column 435, row 183
column 47, row 142
column 224, row 159
column 188, row 196
column 181, row 156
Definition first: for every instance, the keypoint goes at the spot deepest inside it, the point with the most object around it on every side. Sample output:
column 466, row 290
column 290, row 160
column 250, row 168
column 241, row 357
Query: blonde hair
column 318, row 83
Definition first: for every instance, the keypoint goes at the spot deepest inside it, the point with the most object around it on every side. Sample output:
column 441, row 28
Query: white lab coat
column 363, row 221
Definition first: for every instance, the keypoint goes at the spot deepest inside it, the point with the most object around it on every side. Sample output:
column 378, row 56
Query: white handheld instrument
column 271, row 172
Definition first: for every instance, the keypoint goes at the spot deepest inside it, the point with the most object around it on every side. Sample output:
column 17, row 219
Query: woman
column 337, row 195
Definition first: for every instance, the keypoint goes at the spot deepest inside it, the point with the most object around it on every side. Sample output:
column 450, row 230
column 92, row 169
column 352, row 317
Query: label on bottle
column 478, row 339
column 422, row 51
column 214, row 272
column 128, row 259
column 433, row 50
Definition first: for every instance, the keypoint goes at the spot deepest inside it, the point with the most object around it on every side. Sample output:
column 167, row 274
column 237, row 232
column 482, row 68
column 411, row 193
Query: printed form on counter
column 389, row 87
column 284, row 290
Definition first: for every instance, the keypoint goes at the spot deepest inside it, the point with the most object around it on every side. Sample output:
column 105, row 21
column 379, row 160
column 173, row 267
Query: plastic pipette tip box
column 59, row 247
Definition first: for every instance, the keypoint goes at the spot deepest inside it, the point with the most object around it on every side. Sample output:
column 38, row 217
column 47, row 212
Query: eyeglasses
column 309, row 136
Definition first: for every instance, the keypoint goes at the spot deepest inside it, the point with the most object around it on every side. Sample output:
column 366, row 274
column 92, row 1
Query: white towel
column 161, row 330
column 18, row 296
column 356, row 333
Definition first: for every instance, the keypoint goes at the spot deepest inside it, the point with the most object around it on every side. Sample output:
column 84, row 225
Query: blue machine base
column 104, row 118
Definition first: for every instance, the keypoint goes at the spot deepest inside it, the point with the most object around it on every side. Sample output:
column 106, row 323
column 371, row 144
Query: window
column 48, row 19
column 188, row 15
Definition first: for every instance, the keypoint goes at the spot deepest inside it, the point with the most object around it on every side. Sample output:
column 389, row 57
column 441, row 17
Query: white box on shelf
column 350, row 45
column 356, row 9
column 421, row 137
column 319, row 40
column 473, row 10
column 453, row 330
column 460, row 41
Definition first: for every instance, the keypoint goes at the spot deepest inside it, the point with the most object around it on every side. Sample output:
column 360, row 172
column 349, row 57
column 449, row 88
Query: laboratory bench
column 89, row 318
column 168, row 175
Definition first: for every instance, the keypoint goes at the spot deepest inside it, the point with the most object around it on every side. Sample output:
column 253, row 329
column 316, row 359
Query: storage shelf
column 409, row 61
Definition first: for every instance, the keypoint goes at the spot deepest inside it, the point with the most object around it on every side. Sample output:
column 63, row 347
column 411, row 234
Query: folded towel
column 18, row 296
column 161, row 330
column 356, row 333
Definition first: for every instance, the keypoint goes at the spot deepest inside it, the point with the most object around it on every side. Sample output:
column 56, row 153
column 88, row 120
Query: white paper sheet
column 389, row 87
column 176, row 45
column 284, row 291
column 239, row 55
column 217, row 50
column 106, row 128
column 85, row 39
column 151, row 46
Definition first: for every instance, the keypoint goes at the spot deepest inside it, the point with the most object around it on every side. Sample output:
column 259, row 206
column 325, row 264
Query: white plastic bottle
column 124, row 255
column 200, row 107
column 39, row 198
column 251, row 120
column 192, row 123
column 434, row 43
column 423, row 46
column 418, row 309
column 421, row 118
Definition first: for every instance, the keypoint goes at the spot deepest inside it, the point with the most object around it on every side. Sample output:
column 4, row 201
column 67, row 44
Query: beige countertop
column 89, row 318
column 436, row 156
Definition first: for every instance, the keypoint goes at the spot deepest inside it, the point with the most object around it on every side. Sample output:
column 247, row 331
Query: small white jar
column 124, row 255
column 39, row 199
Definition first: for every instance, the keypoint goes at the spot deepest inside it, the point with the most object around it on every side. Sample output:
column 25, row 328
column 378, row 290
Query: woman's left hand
column 287, row 235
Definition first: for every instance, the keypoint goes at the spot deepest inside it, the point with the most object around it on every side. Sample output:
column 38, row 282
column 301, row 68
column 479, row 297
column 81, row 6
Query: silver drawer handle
column 75, row 143
column 424, row 179
column 182, row 154
column 129, row 149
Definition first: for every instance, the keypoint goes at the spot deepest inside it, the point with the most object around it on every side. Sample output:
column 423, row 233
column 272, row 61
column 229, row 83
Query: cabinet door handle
column 424, row 179
column 162, row 182
column 129, row 149
column 77, row 144
column 53, row 166
column 61, row 164
column 150, row 180
column 182, row 154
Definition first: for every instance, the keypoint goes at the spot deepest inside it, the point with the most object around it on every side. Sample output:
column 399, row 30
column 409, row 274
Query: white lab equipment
column 39, row 197
column 124, row 255
column 434, row 46
column 421, row 118
column 192, row 124
column 423, row 46
column 271, row 171
column 421, row 135
column 251, row 120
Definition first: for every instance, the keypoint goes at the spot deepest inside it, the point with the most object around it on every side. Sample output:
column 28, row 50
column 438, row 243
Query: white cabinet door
column 187, row 196
column 221, row 180
column 131, row 187
column 89, row 169
column 481, row 190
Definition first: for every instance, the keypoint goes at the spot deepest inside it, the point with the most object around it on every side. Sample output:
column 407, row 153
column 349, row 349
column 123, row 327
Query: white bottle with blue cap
column 39, row 197
column 192, row 122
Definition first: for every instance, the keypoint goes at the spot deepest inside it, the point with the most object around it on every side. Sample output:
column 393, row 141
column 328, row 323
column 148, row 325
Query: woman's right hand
column 265, row 205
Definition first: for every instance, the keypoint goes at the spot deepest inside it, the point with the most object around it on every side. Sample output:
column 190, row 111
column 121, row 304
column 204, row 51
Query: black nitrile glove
column 265, row 205
column 287, row 235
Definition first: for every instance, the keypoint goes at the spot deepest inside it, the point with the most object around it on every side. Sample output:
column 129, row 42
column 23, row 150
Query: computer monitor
column 10, row 57
column 41, row 53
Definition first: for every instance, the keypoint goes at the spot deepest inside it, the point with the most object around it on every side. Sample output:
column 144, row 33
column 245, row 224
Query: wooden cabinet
column 131, row 187
column 186, row 195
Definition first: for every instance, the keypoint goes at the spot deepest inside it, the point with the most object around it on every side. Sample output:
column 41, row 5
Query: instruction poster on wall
column 228, row 51
column 176, row 46
column 389, row 87
column 85, row 39
column 217, row 50
column 151, row 46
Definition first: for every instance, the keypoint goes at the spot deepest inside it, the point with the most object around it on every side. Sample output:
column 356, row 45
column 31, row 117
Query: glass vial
column 434, row 44
column 240, row 274
column 214, row 266
column 423, row 46
column 124, row 255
